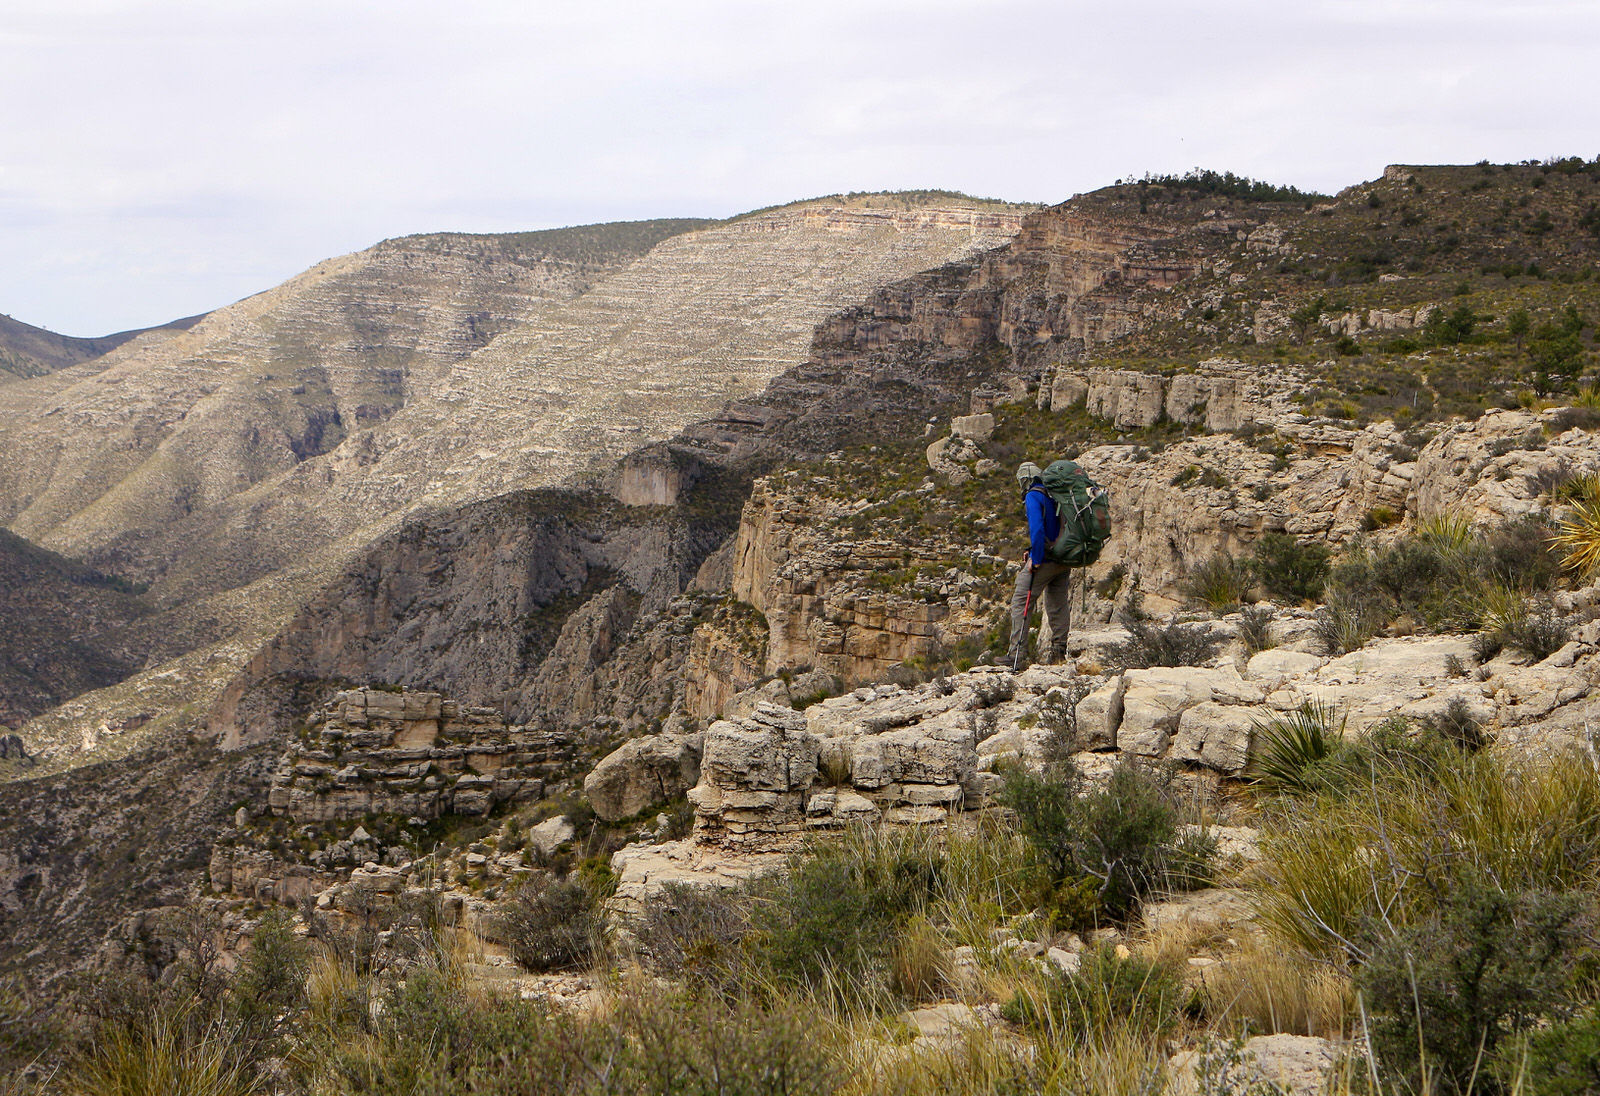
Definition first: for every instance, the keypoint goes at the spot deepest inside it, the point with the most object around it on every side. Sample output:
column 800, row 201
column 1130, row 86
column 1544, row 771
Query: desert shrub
column 1577, row 537
column 436, row 1037
column 1539, row 633
column 1058, row 715
column 270, row 982
column 1255, row 628
column 1112, row 844
column 1522, row 554
column 832, row 919
column 919, row 967
column 1290, row 569
column 1559, row 1059
column 666, row 1043
column 549, row 923
column 1457, row 725
column 1267, row 989
column 694, row 934
column 1152, row 644
column 1446, row 991
column 1414, row 831
column 1349, row 619
column 171, row 1051
column 1141, row 992
column 1219, row 584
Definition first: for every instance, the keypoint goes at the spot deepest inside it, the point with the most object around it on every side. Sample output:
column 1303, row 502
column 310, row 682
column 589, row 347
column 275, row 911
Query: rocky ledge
column 413, row 754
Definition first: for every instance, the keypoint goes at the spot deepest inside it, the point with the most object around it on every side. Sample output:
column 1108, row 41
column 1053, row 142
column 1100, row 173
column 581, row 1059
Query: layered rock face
column 411, row 753
column 260, row 462
column 1221, row 394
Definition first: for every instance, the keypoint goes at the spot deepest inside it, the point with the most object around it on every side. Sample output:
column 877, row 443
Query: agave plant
column 1289, row 745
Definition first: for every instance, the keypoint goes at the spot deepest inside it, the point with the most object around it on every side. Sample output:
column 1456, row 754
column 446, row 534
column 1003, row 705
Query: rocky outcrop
column 878, row 754
column 1497, row 468
column 411, row 753
column 1221, row 394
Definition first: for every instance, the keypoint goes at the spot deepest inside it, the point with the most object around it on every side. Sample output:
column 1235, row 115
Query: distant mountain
column 28, row 351
column 234, row 468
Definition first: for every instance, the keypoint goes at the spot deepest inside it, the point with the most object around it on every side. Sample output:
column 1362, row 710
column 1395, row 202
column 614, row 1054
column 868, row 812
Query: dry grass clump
column 1269, row 990
column 1391, row 850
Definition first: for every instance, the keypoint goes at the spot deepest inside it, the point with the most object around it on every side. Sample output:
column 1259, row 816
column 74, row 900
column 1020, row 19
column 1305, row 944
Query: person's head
column 1028, row 474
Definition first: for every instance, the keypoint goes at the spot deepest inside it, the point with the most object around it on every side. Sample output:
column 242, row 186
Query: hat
column 1027, row 472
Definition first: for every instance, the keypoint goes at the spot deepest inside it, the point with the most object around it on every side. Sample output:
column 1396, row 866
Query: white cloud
column 164, row 157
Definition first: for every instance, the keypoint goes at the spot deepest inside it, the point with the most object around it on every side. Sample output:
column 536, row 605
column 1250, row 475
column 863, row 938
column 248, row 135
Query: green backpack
column 1084, row 508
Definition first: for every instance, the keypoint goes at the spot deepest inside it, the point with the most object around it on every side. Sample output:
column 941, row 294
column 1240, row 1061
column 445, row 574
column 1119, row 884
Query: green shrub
column 1255, row 628
column 1107, row 992
column 1458, row 726
column 1349, row 619
column 549, row 923
column 1538, row 634
column 1112, row 844
column 1219, row 584
column 1290, row 569
column 1152, row 644
column 1561, row 1059
column 831, row 920
column 695, row 934
column 1446, row 992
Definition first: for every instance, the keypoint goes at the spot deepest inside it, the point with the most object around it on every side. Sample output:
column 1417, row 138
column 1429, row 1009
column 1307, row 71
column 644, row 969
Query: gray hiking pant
column 1050, row 586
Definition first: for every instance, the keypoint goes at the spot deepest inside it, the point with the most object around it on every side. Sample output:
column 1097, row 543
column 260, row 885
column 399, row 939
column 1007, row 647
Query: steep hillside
column 284, row 434
column 28, row 351
column 61, row 629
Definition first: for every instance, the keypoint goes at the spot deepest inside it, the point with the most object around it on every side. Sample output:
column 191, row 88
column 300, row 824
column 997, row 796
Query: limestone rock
column 1100, row 714
column 973, row 427
column 1298, row 1065
column 552, row 833
column 413, row 753
column 1215, row 735
column 641, row 773
column 1276, row 664
column 1155, row 699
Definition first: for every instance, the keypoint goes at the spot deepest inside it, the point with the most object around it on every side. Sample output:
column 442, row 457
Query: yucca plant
column 1578, row 535
column 1289, row 746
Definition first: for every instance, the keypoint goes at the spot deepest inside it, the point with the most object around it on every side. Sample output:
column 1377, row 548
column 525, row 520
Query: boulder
column 1155, row 699
column 552, row 833
column 973, row 427
column 1100, row 714
column 1217, row 736
column 642, row 773
column 770, row 751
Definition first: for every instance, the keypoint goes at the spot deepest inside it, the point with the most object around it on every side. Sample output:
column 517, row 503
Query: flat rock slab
column 1297, row 1064
column 643, row 871
column 1220, row 909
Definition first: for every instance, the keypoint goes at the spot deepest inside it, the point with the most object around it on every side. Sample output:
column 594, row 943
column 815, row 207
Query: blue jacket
column 1044, row 524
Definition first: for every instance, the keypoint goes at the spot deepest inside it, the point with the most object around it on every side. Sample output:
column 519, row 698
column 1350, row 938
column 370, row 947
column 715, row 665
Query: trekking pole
column 1016, row 656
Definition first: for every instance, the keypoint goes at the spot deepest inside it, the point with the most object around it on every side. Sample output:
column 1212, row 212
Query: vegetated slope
column 60, row 625
column 28, row 351
column 1334, row 288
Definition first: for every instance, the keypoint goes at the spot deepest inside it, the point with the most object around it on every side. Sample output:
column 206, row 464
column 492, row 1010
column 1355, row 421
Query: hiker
column 1040, row 579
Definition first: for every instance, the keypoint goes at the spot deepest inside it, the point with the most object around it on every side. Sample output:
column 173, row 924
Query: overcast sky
column 161, row 157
